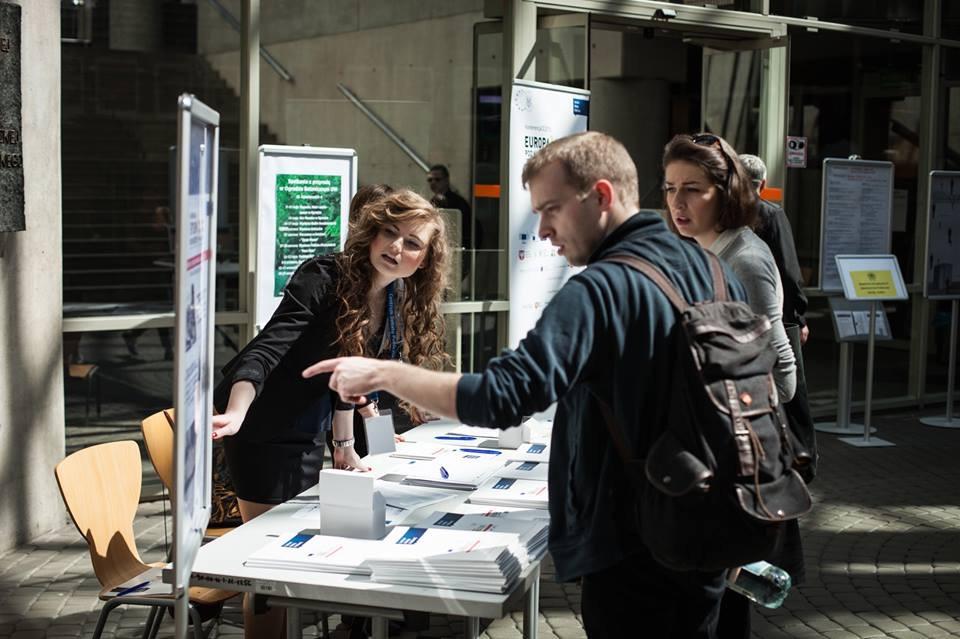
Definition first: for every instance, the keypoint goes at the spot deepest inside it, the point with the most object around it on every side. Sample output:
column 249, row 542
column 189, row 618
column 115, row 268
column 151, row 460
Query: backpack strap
column 719, row 282
column 655, row 275
column 664, row 283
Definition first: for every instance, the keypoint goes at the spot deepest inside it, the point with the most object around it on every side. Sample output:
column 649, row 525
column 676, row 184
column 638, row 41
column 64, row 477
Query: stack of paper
column 538, row 452
column 506, row 491
column 438, row 557
column 531, row 532
column 463, row 470
column 525, row 470
column 314, row 553
column 401, row 500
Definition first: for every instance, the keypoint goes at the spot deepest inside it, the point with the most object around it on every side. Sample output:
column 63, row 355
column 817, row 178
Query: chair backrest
column 100, row 486
column 158, row 437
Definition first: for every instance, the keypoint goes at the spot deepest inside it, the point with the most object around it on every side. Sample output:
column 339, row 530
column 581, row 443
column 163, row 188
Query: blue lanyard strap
column 392, row 323
column 392, row 327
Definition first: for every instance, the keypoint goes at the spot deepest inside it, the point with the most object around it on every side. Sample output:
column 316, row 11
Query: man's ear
column 607, row 193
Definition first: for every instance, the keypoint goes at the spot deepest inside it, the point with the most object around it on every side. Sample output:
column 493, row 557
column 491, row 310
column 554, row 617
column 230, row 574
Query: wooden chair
column 100, row 486
column 158, row 438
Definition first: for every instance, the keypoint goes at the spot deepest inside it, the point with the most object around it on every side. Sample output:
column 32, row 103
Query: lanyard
column 392, row 328
column 392, row 323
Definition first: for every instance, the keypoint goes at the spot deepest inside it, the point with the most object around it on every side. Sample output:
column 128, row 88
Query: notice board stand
column 872, row 278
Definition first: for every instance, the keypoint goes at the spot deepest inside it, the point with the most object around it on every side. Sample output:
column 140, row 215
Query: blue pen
column 133, row 589
column 482, row 451
column 444, row 473
column 456, row 438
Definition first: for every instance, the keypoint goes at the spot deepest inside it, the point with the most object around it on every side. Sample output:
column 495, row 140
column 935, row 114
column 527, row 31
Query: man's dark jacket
column 607, row 333
column 773, row 227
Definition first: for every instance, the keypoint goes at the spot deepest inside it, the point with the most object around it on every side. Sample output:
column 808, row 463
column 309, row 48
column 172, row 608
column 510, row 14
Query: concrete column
column 31, row 310
column 136, row 25
column 519, row 42
column 249, row 141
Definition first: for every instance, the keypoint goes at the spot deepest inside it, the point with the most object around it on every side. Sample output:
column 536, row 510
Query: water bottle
column 762, row 583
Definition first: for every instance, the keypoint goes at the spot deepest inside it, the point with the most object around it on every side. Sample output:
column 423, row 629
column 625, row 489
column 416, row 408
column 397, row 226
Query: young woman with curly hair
column 379, row 297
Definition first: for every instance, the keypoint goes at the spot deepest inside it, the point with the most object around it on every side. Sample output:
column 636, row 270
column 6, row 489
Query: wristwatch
column 343, row 443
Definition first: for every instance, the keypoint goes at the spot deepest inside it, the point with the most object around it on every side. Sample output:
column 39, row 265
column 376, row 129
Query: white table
column 219, row 564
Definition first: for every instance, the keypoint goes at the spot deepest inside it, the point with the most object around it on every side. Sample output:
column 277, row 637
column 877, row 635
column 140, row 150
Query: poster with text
column 196, row 227
column 942, row 280
column 539, row 114
column 303, row 201
column 856, row 213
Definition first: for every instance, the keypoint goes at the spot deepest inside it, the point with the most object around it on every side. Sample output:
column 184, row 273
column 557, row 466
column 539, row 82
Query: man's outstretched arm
column 355, row 377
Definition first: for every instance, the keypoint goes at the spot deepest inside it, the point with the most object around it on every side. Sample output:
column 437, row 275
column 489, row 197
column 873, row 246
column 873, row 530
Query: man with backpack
column 606, row 349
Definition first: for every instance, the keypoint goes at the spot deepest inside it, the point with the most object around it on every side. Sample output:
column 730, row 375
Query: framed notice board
column 856, row 211
column 942, row 272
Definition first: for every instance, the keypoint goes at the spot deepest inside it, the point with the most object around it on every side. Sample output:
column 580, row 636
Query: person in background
column 773, row 227
column 606, row 337
column 379, row 297
column 710, row 199
column 444, row 197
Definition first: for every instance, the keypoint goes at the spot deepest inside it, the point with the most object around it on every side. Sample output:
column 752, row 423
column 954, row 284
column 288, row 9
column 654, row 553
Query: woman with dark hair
column 711, row 199
column 380, row 297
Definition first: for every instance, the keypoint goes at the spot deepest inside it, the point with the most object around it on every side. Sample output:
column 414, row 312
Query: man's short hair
column 442, row 169
column 586, row 158
column 755, row 168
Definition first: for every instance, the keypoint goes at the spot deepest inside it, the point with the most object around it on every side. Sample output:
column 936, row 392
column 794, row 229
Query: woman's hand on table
column 347, row 459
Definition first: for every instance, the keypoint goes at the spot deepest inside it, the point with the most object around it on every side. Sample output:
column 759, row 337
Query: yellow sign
column 873, row 283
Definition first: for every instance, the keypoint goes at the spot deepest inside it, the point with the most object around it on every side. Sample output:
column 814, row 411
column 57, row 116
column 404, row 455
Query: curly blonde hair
column 423, row 325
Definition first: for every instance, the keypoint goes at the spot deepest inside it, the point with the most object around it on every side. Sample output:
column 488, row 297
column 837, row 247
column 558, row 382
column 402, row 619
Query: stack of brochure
column 464, row 469
column 536, row 451
column 525, row 470
column 314, row 553
column 508, row 491
column 443, row 558
column 531, row 532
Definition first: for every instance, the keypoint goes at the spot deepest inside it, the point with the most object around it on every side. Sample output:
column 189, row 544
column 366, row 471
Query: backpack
column 717, row 486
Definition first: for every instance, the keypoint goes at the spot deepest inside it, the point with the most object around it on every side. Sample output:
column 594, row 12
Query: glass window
column 899, row 15
column 119, row 103
column 854, row 95
column 950, row 20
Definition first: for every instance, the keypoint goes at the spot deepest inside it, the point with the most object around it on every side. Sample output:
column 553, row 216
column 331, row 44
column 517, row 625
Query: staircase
column 119, row 124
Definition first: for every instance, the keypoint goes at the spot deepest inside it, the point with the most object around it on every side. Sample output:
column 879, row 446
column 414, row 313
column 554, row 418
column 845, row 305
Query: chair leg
column 157, row 622
column 104, row 613
column 197, row 625
column 148, row 626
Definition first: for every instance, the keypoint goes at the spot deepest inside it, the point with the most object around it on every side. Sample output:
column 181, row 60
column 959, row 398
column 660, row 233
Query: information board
column 539, row 114
column 856, row 207
column 871, row 277
column 303, row 201
column 942, row 280
column 198, row 143
column 851, row 320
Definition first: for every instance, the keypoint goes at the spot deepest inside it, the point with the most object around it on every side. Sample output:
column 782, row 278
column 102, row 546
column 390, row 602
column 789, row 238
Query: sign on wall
column 198, row 143
column 539, row 114
column 796, row 152
column 942, row 280
column 303, row 201
column 856, row 212
column 11, row 145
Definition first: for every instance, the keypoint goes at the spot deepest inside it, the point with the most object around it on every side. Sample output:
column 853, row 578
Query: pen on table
column 132, row 589
column 444, row 473
column 482, row 451
column 456, row 438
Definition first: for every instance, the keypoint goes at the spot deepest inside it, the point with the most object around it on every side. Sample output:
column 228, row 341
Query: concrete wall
column 417, row 76
column 31, row 375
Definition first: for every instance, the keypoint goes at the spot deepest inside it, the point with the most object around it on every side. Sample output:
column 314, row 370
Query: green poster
column 308, row 222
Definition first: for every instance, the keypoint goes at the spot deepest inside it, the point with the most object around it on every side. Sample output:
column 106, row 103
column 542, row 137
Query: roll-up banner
column 539, row 114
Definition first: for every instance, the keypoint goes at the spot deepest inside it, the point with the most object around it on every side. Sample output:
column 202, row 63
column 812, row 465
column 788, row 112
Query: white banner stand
column 942, row 279
column 198, row 144
column 873, row 278
column 850, row 325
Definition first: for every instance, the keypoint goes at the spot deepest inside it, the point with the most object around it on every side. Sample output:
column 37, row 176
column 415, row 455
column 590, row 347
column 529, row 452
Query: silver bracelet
column 343, row 443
